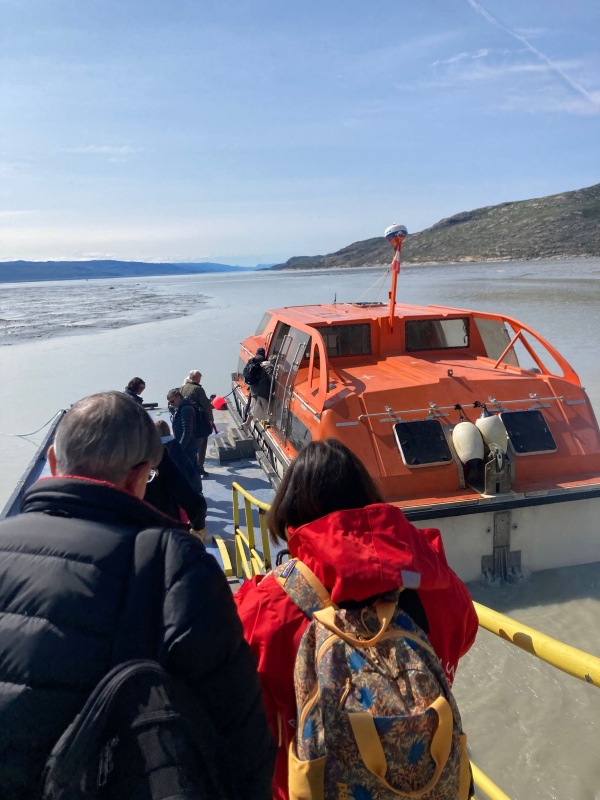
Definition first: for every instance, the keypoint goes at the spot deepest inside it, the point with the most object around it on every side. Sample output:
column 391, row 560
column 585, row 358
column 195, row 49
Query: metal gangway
column 252, row 556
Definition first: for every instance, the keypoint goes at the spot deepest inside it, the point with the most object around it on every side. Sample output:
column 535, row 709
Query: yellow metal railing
column 481, row 781
column 562, row 656
column 250, row 562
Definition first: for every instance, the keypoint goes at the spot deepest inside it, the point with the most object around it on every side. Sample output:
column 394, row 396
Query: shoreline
column 459, row 262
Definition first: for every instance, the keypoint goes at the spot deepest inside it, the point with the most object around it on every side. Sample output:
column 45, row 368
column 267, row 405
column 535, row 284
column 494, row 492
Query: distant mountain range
column 559, row 226
column 21, row 271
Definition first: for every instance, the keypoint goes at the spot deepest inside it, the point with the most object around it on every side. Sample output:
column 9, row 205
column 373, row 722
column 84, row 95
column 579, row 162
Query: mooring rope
column 52, row 418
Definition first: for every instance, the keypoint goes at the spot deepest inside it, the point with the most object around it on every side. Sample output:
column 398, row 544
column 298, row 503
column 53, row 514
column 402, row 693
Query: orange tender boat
column 398, row 385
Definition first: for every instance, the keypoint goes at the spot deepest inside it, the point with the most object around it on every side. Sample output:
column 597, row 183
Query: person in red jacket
column 330, row 512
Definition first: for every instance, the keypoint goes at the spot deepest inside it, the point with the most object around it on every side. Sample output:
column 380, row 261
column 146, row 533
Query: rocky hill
column 559, row 226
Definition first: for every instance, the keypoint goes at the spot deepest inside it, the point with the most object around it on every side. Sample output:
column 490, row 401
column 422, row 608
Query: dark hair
column 324, row 477
column 104, row 437
column 135, row 385
column 175, row 393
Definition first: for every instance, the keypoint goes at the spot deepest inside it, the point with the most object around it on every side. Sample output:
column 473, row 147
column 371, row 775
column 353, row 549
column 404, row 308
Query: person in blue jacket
column 65, row 563
column 183, row 417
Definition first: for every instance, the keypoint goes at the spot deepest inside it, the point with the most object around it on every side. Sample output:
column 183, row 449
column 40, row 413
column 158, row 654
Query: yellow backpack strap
column 283, row 573
column 385, row 613
column 371, row 750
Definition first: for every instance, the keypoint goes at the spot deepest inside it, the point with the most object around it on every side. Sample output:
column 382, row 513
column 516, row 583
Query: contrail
column 542, row 57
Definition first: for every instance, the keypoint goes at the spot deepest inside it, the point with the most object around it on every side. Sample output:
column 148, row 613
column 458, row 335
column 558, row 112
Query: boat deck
column 218, row 491
column 217, row 488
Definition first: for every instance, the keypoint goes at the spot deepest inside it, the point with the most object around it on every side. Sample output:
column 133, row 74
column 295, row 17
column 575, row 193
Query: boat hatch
column 422, row 443
column 528, row 432
column 436, row 334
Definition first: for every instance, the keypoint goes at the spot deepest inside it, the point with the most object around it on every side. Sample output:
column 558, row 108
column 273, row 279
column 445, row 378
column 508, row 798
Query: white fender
column 467, row 441
column 492, row 429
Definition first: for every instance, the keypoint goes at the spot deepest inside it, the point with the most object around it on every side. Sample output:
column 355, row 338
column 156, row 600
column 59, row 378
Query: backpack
column 253, row 372
column 142, row 734
column 202, row 426
column 376, row 717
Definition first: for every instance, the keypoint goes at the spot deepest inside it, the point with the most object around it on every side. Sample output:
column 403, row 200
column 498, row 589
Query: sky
column 250, row 131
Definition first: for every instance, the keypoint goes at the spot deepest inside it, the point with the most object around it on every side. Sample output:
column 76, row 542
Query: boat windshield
column 496, row 339
column 436, row 334
column 262, row 325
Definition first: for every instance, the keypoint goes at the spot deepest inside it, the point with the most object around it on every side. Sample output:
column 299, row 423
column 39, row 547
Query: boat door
column 289, row 347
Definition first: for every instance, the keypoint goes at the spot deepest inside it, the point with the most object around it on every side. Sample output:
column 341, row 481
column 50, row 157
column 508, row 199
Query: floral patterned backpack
column 376, row 717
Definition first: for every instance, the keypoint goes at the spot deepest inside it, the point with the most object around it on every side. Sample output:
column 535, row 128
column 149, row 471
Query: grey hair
column 104, row 436
column 191, row 378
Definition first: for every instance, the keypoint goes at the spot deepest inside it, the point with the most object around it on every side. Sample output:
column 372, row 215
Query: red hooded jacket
column 356, row 554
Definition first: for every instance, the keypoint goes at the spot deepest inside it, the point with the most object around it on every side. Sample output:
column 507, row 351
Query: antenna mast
column 395, row 235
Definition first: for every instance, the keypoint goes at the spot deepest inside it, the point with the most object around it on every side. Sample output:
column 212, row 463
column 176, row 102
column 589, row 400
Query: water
column 532, row 729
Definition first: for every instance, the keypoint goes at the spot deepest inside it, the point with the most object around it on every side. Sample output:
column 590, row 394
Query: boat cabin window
column 262, row 325
column 281, row 332
column 422, row 443
column 436, row 334
column 298, row 434
column 346, row 340
column 496, row 338
column 528, row 432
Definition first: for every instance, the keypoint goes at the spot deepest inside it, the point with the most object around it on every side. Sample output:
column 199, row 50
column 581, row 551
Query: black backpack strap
column 140, row 622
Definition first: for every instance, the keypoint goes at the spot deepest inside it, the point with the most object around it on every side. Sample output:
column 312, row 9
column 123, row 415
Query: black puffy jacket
column 64, row 566
column 172, row 490
column 184, row 425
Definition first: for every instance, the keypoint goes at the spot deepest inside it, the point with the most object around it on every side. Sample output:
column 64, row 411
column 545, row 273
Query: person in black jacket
column 171, row 490
column 65, row 562
column 183, row 417
column 134, row 389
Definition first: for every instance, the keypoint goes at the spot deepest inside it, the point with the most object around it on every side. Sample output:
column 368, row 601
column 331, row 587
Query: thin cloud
column 549, row 102
column 476, row 6
column 532, row 33
column 97, row 255
column 451, row 60
column 483, row 52
column 103, row 150
column 6, row 214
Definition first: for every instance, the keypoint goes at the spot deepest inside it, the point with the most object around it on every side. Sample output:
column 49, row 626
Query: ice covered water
column 532, row 729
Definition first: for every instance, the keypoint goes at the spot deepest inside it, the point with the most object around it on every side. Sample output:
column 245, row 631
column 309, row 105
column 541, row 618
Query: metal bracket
column 497, row 473
column 503, row 560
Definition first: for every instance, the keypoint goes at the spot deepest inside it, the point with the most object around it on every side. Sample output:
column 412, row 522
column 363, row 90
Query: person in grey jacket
column 65, row 564
column 193, row 390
